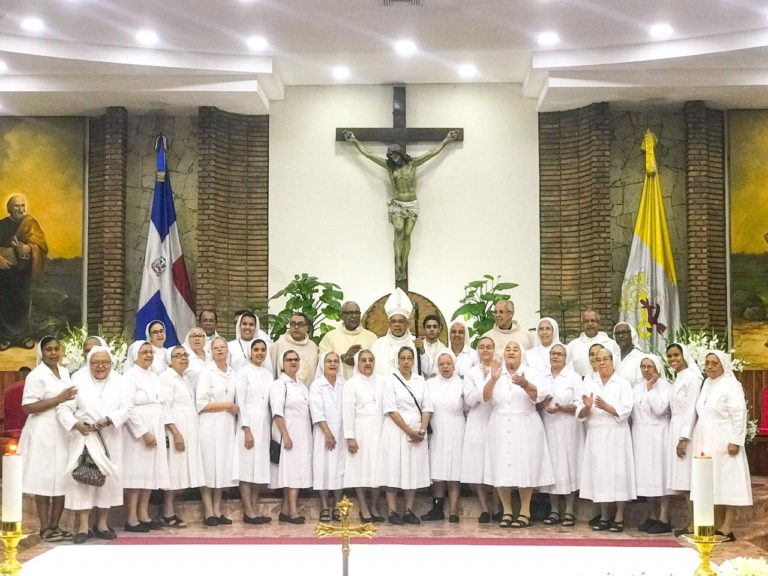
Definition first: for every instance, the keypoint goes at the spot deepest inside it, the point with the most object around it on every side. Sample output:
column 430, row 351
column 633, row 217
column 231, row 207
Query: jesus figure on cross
column 404, row 204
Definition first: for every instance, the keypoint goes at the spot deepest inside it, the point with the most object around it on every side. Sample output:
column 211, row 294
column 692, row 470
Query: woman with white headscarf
column 325, row 403
column 565, row 434
column 43, row 444
column 88, row 343
column 254, row 383
column 720, row 433
column 100, row 406
column 627, row 339
column 547, row 335
column 650, row 438
column 156, row 334
column 363, row 418
column 446, row 390
column 683, row 397
column 458, row 343
column 292, row 427
column 145, row 458
column 516, row 452
column 215, row 401
column 247, row 329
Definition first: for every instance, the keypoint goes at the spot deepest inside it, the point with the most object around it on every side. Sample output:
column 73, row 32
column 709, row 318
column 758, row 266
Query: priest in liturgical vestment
column 578, row 350
column 22, row 257
column 298, row 340
column 507, row 328
column 398, row 308
column 348, row 339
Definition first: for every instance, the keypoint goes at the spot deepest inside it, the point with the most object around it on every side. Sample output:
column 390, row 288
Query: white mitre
column 398, row 303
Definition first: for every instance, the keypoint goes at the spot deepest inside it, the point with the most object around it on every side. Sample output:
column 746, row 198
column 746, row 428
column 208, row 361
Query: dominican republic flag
column 165, row 291
column 649, row 292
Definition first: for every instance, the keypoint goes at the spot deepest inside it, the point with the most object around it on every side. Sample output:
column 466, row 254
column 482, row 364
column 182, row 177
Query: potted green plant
column 477, row 306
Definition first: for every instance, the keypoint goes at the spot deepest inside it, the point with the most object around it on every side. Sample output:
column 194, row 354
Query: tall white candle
column 702, row 491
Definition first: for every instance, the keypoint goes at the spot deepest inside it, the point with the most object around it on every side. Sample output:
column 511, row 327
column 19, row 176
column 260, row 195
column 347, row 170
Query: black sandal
column 506, row 521
column 325, row 515
column 552, row 519
column 616, row 527
column 522, row 521
column 602, row 526
column 568, row 519
column 174, row 522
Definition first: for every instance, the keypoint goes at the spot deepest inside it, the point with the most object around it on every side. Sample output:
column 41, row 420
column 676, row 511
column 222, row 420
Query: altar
column 380, row 558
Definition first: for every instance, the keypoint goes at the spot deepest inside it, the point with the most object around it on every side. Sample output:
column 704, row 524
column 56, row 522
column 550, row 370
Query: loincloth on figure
column 404, row 210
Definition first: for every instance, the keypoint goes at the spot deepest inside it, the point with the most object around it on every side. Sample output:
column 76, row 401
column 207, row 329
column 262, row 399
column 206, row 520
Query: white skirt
column 446, row 444
column 565, row 439
column 83, row 497
column 608, row 468
column 254, row 465
column 732, row 482
column 44, row 448
column 146, row 468
column 473, row 450
column 360, row 468
column 402, row 464
column 678, row 469
column 185, row 469
column 650, row 447
column 217, row 447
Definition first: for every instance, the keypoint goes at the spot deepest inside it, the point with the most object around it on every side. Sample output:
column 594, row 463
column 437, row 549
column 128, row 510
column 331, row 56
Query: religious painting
column 41, row 231
column 748, row 184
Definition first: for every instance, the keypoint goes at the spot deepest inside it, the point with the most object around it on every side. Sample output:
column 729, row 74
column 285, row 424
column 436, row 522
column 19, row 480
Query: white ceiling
column 87, row 56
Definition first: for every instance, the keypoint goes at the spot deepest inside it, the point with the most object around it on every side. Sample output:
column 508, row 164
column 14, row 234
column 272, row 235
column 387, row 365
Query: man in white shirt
column 349, row 338
column 578, row 350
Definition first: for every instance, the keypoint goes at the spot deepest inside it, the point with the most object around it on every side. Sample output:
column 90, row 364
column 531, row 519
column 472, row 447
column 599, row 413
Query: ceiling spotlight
column 405, row 47
column 548, row 38
column 146, row 37
column 32, row 24
column 467, row 71
column 661, row 30
column 257, row 43
column 340, row 72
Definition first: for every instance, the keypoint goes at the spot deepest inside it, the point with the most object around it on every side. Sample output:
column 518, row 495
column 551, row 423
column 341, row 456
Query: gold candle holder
column 705, row 539
column 11, row 536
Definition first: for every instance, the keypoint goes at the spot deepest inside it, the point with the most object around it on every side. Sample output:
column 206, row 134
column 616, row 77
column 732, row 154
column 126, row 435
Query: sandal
column 568, row 519
column 325, row 515
column 522, row 521
column 552, row 519
column 616, row 527
column 336, row 515
column 174, row 522
column 50, row 535
column 601, row 526
column 506, row 521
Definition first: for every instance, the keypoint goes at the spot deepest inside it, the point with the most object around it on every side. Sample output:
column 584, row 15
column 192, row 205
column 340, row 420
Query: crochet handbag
column 86, row 471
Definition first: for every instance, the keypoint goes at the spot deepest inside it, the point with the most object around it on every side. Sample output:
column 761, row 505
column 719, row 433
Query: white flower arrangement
column 743, row 567
column 72, row 342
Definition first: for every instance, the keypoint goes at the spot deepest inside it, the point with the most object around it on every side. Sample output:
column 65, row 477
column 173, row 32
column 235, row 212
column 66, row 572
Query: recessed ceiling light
column 340, row 72
column 3, row 66
column 32, row 24
column 146, row 37
column 661, row 30
column 467, row 70
column 405, row 47
column 548, row 38
column 257, row 43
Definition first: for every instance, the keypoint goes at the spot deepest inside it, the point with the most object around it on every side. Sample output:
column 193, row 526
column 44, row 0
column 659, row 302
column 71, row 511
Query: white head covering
column 320, row 370
column 133, row 353
column 96, row 350
column 398, row 303
column 356, row 360
column 463, row 324
column 239, row 320
column 690, row 361
column 635, row 337
column 656, row 362
column 187, row 343
column 522, row 355
column 452, row 356
column 280, row 361
column 555, row 333
column 39, row 348
column 146, row 330
column 725, row 360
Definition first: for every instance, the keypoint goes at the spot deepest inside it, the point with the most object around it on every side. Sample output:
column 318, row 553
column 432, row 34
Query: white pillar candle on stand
column 702, row 491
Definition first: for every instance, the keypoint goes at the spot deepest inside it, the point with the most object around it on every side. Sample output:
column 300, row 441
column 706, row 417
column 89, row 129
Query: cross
column 345, row 531
column 402, row 135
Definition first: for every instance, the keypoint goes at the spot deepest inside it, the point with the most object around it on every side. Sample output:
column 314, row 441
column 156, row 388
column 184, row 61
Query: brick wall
column 233, row 203
column 707, row 241
column 106, row 220
column 575, row 213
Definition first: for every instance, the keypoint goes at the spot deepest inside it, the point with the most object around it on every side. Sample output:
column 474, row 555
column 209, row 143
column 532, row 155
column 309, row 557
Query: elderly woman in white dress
column 326, row 395
column 215, row 401
column 156, row 335
column 254, row 383
column 195, row 346
column 547, row 335
column 100, row 408
column 473, row 450
column 88, row 343
column 608, row 468
column 44, row 445
column 145, row 459
column 363, row 418
column 516, row 451
column 404, row 454
column 185, row 462
column 650, row 439
column 458, row 342
column 565, row 434
column 720, row 433
column 292, row 426
column 446, row 442
column 683, row 397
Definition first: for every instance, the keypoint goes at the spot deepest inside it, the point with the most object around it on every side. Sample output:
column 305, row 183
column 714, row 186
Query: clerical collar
column 290, row 339
column 405, row 338
column 354, row 332
column 515, row 326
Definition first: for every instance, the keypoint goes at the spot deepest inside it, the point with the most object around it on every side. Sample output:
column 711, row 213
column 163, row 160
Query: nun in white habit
column 458, row 342
column 547, row 335
column 247, row 329
column 156, row 333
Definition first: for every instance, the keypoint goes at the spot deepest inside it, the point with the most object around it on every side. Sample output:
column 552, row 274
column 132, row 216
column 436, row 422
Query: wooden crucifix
column 403, row 206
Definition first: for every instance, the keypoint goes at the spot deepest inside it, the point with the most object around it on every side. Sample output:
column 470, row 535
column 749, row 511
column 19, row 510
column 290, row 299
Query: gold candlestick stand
column 705, row 539
column 345, row 531
column 11, row 536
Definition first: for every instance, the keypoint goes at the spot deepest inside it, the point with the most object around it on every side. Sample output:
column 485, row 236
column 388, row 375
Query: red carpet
column 409, row 541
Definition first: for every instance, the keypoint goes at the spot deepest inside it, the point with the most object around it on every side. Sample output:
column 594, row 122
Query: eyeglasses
column 185, row 355
column 297, row 324
column 197, row 335
column 352, row 312
column 291, row 360
column 101, row 362
column 155, row 332
column 557, row 353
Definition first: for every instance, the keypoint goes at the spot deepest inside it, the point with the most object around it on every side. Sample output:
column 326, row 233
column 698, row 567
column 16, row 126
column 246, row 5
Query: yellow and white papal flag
column 649, row 292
